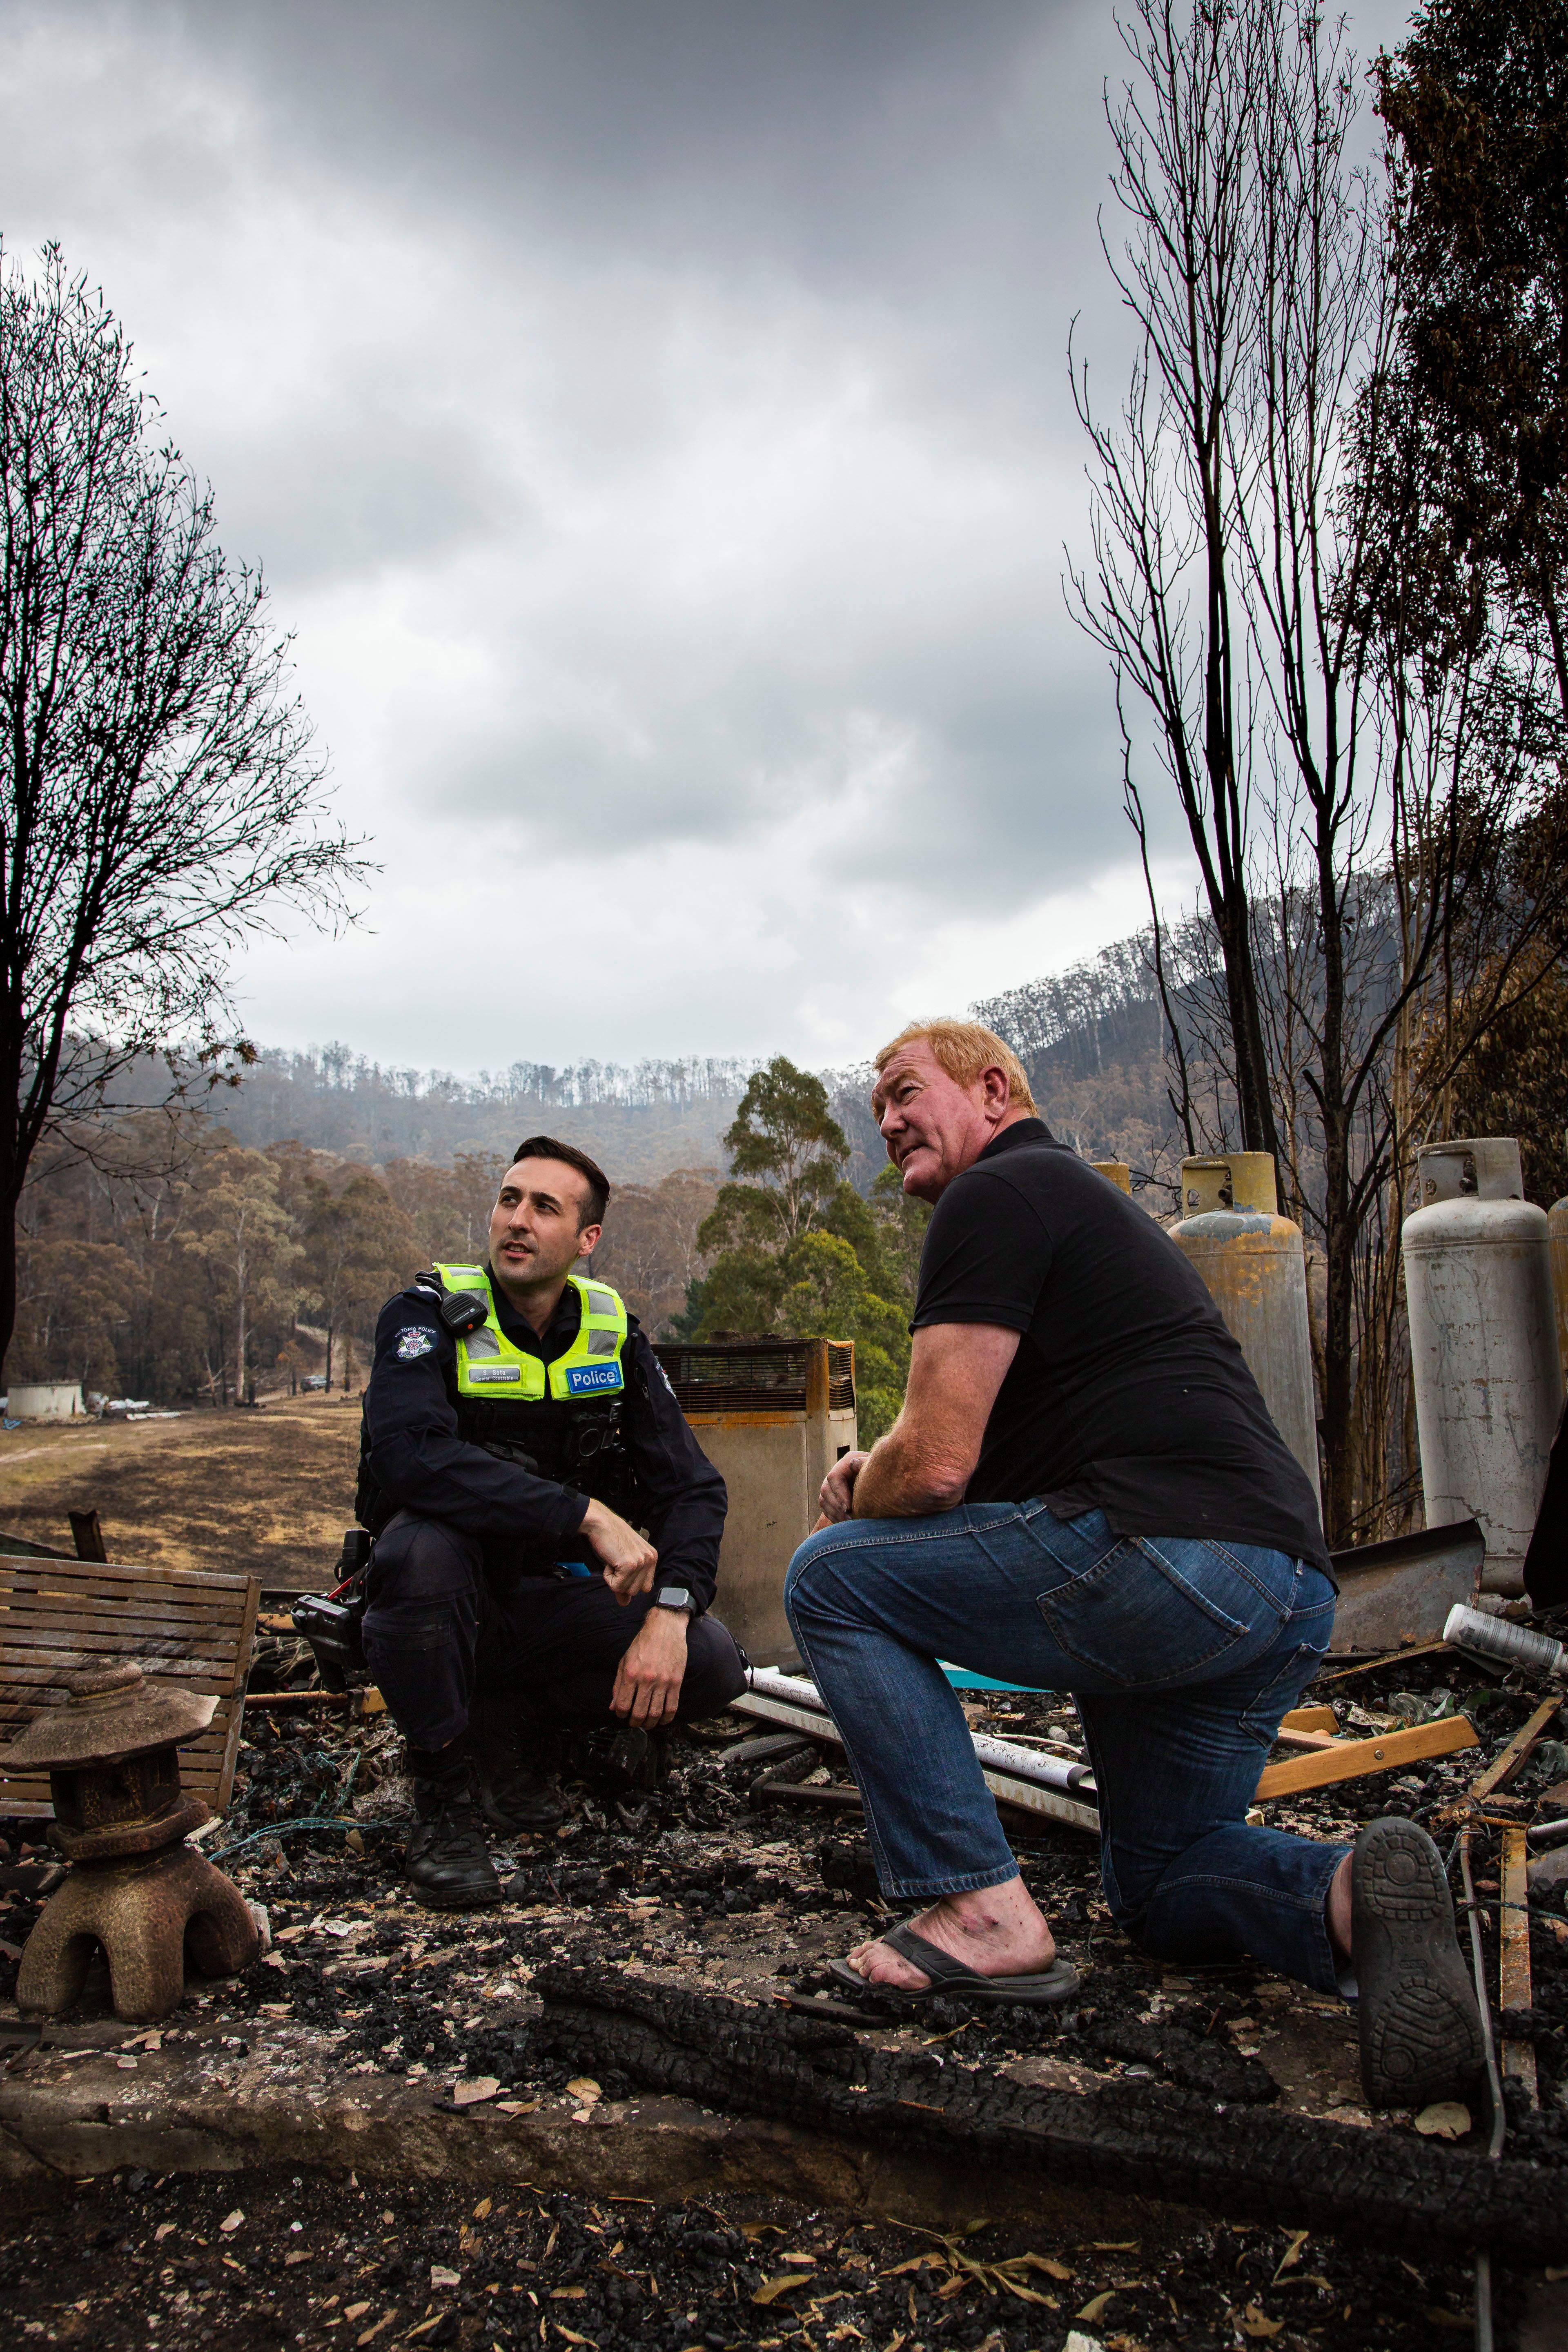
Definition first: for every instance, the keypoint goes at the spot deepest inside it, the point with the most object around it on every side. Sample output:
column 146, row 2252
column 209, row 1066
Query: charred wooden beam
column 1247, row 2162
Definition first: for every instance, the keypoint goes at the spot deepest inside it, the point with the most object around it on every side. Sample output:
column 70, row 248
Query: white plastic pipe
column 1502, row 1641
column 998, row 1754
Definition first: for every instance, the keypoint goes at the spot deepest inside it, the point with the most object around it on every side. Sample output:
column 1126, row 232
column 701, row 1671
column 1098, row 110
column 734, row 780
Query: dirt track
column 269, row 1491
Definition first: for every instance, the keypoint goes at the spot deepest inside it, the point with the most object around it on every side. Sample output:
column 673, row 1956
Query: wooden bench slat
column 176, row 1607
column 96, row 1635
column 126, row 1572
column 178, row 1624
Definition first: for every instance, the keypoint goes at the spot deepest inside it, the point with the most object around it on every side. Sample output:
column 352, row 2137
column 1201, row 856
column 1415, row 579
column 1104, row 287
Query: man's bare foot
column 998, row 1931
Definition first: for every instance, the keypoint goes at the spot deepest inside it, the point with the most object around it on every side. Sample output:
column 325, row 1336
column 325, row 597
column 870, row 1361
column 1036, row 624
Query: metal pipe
column 1483, row 2303
column 998, row 1754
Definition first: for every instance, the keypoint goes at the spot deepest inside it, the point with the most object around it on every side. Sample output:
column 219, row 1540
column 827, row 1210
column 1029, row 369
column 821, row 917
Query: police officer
column 519, row 1434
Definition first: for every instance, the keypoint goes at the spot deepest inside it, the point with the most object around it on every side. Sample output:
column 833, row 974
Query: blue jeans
column 1183, row 1655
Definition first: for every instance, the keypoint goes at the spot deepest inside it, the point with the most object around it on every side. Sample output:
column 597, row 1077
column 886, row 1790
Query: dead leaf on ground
column 1291, row 2255
column 771, row 2289
column 1256, row 2322
column 1444, row 2119
column 1097, row 2303
column 1035, row 2263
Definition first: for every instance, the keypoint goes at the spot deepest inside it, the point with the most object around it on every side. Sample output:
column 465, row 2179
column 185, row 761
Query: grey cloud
column 598, row 238
column 343, row 495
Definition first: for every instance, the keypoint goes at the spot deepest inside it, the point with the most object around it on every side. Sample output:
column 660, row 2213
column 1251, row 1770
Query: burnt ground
column 263, row 2262
column 255, row 1492
column 706, row 1881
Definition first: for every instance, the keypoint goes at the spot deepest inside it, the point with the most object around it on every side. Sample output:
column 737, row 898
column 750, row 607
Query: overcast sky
column 651, row 416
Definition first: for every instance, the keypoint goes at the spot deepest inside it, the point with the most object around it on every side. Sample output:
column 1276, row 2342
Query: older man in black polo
column 1085, row 1492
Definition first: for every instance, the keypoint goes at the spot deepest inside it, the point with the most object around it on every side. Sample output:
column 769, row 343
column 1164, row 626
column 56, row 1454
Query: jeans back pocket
column 1145, row 1614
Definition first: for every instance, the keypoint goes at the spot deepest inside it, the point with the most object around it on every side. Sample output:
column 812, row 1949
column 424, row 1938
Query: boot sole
column 1420, row 2028
column 429, row 1901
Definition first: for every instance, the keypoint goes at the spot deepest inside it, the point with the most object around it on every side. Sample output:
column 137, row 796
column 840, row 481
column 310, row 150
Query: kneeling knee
column 715, row 1673
column 420, row 1561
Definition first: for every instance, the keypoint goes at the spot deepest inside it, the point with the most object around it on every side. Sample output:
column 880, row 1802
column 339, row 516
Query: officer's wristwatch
column 675, row 1596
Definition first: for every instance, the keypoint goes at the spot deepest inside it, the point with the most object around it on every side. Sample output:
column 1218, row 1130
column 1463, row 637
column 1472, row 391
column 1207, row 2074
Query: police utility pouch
column 332, row 1622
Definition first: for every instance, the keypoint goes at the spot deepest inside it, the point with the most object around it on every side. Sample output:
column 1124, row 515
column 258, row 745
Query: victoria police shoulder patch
column 413, row 1341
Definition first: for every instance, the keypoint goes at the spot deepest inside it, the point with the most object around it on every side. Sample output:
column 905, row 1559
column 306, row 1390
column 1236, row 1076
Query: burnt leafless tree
column 159, row 798
column 1354, row 762
column 1164, row 595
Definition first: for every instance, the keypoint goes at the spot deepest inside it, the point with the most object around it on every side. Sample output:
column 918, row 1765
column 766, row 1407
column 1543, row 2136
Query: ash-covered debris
column 315, row 2259
column 687, row 1883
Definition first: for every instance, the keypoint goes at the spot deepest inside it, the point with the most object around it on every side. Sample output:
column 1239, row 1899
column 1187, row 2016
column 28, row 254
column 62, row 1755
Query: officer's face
column 536, row 1232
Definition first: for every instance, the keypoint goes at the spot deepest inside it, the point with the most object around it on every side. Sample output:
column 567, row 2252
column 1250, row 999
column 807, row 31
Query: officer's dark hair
column 545, row 1147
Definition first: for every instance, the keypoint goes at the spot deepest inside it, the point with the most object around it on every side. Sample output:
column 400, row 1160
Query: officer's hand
column 648, row 1687
column 837, row 1495
column 629, row 1560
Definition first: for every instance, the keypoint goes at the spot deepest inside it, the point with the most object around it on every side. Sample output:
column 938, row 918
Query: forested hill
column 1090, row 1037
column 641, row 1122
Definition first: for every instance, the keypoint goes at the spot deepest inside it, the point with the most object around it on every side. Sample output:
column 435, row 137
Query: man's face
column 536, row 1232
column 933, row 1128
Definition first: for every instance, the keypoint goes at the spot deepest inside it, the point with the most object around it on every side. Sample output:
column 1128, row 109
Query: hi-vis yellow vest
column 489, row 1366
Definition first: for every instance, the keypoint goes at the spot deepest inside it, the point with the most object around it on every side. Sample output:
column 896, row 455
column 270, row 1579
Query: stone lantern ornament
column 121, row 1820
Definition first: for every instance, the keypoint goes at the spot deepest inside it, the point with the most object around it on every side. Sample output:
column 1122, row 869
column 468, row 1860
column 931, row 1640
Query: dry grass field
column 268, row 1491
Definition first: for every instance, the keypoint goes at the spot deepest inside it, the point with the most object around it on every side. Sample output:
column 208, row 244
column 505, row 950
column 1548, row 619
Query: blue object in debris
column 961, row 1679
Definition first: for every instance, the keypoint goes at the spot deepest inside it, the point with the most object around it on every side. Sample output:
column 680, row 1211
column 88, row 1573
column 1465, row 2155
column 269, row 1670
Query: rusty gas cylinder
column 1254, row 1263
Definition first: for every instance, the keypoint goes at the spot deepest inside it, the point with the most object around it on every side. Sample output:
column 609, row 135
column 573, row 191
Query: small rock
column 475, row 2088
column 439, row 2277
column 231, row 2222
column 1548, row 1878
column 1445, row 2119
column 1079, row 2342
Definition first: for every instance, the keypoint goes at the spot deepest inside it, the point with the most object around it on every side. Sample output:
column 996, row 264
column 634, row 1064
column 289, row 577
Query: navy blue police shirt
column 422, row 1463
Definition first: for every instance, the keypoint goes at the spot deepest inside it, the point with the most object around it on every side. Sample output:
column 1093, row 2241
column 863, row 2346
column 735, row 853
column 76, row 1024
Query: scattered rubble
column 705, row 1883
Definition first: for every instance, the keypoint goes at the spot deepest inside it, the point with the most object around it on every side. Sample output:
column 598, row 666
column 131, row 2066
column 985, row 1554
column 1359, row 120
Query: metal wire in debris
column 287, row 1828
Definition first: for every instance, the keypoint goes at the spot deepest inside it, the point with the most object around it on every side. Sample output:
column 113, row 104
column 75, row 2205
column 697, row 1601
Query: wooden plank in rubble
column 1513, row 1969
column 1348, row 1760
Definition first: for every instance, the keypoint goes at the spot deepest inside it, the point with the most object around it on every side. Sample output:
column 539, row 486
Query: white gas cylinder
column 1483, row 1345
column 1254, row 1263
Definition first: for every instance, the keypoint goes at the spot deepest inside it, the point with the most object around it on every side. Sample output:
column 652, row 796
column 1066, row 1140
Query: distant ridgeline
column 1090, row 1037
column 642, row 1122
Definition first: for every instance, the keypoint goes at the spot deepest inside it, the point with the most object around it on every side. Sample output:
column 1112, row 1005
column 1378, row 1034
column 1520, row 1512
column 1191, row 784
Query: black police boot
column 447, row 1861
column 516, row 1763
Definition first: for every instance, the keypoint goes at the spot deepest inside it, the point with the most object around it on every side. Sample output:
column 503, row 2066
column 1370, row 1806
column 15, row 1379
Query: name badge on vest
column 478, row 1372
column 587, row 1377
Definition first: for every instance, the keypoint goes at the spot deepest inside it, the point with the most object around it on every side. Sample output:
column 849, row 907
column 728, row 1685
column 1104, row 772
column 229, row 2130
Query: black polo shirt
column 1127, row 1394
